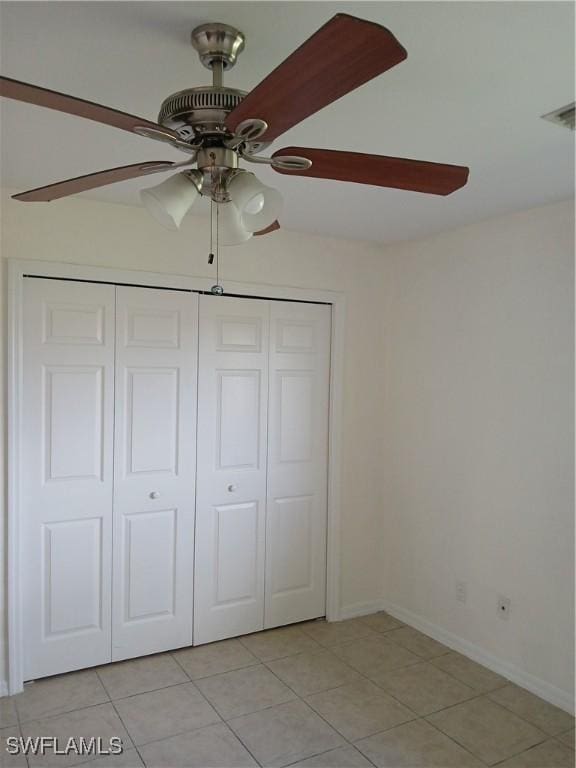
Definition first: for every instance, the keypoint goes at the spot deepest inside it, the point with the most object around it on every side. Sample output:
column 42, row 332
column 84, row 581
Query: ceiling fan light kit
column 231, row 230
column 171, row 200
column 258, row 204
column 217, row 127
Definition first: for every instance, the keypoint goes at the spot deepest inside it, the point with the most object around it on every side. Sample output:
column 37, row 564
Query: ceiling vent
column 564, row 116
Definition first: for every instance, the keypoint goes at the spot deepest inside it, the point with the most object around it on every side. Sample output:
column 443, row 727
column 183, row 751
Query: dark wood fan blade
column 272, row 228
column 42, row 97
column 342, row 55
column 92, row 181
column 397, row 172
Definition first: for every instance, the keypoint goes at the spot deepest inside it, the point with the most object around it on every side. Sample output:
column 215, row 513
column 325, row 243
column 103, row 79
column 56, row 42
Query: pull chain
column 217, row 289
column 211, row 254
column 217, row 244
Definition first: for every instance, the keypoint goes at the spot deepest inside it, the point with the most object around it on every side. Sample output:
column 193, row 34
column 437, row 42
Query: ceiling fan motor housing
column 200, row 113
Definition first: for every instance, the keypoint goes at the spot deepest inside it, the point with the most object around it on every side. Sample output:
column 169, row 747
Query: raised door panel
column 156, row 350
column 147, row 327
column 72, row 578
column 150, row 540
column 294, row 415
column 66, row 474
column 73, row 428
column 151, row 432
column 238, row 403
column 291, row 549
column 236, row 529
column 73, row 323
column 231, row 493
column 239, row 334
column 297, row 462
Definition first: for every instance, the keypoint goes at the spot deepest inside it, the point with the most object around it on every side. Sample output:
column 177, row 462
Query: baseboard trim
column 360, row 609
column 3, row 688
column 536, row 685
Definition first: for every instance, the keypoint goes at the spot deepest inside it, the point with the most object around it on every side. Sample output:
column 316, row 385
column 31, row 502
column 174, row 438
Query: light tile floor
column 363, row 692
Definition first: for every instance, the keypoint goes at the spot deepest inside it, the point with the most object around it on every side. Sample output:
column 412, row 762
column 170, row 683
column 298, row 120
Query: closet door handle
column 154, row 495
column 231, row 488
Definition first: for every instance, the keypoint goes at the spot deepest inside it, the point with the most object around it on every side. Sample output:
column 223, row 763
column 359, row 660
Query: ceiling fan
column 216, row 127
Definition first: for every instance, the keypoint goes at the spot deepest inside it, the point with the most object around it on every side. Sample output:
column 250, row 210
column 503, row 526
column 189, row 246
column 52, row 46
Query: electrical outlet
column 461, row 591
column 504, row 606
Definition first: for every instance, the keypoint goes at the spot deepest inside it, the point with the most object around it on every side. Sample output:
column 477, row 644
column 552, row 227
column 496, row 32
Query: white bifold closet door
column 263, row 395
column 107, row 535
column 231, row 477
column 296, row 516
column 154, row 479
column 66, row 474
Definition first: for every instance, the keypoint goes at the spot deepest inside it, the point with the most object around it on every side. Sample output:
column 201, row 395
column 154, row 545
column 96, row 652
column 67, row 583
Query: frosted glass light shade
column 259, row 205
column 171, row 200
column 230, row 229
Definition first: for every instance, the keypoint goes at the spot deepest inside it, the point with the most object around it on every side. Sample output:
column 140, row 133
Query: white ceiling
column 477, row 78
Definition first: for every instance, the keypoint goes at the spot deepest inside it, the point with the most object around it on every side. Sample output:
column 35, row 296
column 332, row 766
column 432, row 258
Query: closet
column 173, row 469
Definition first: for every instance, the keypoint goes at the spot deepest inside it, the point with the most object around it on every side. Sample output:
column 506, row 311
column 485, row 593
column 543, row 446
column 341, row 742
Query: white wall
column 477, row 439
column 457, row 459
column 85, row 232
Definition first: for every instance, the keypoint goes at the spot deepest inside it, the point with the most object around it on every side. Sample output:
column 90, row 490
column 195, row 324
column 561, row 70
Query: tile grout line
column 222, row 720
column 204, row 677
column 466, row 749
column 120, row 718
column 151, row 690
column 102, row 683
column 326, row 752
column 276, row 658
column 67, row 712
column 521, row 717
column 450, row 674
column 487, row 695
column 237, row 736
column 173, row 657
column 564, row 733
column 128, row 732
column 490, row 765
column 19, row 728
